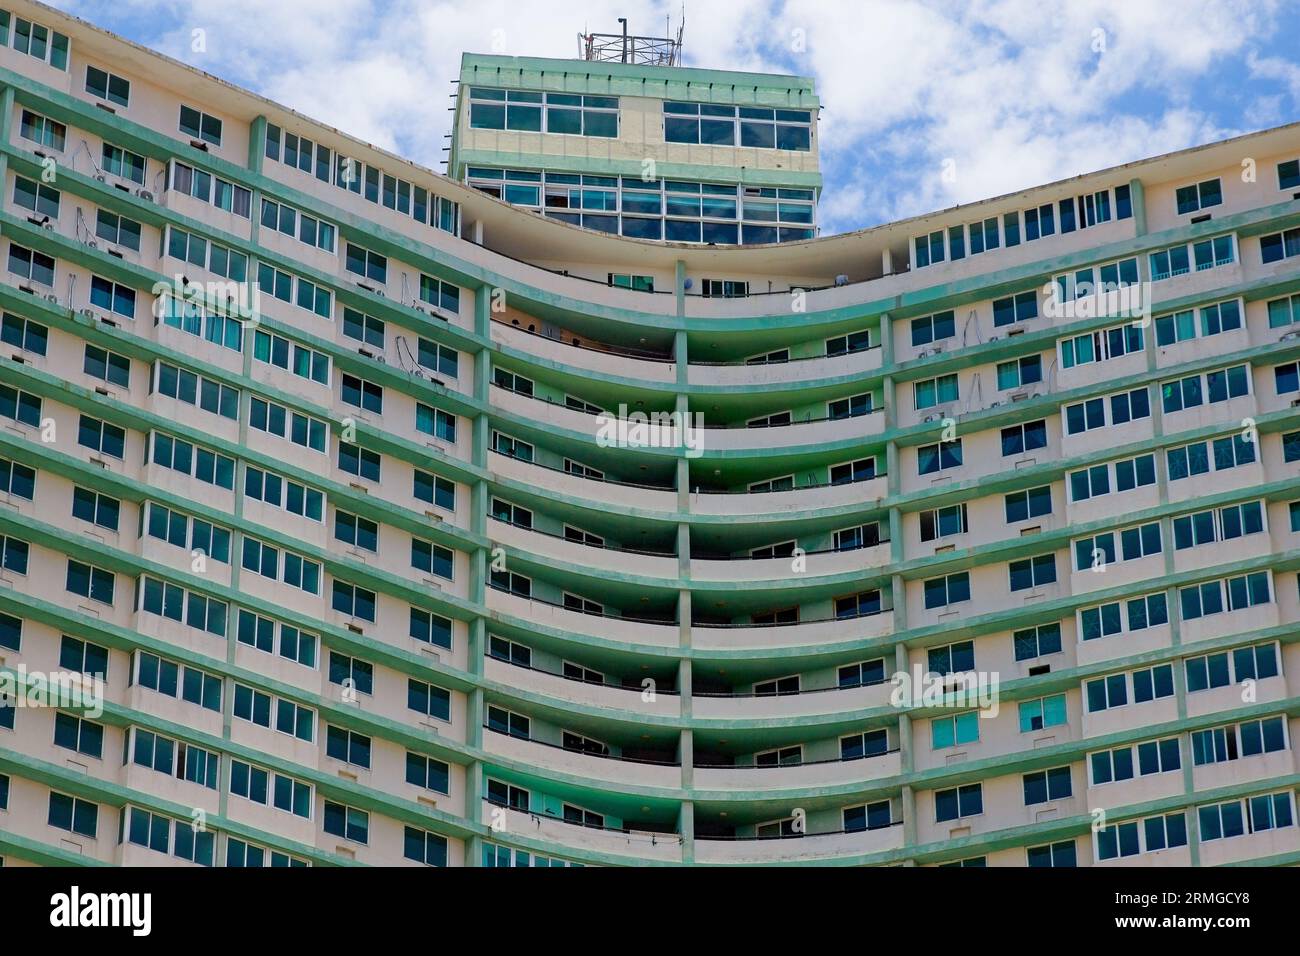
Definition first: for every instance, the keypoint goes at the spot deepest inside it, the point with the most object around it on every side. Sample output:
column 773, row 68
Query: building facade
column 353, row 516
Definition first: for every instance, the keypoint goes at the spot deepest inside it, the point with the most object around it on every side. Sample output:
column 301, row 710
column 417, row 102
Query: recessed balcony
column 611, row 771
column 794, row 849
column 558, row 833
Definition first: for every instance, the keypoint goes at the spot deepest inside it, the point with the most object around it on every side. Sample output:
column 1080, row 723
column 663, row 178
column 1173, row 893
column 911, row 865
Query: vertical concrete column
column 256, row 146
column 686, row 739
column 1138, row 195
column 477, row 632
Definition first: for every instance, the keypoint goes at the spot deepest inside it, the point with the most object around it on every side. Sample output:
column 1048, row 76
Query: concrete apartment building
column 367, row 580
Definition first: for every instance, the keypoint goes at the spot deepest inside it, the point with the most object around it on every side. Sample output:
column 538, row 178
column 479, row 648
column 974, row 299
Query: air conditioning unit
column 931, row 418
column 101, row 177
column 1020, row 396
column 48, row 225
column 421, row 309
column 91, row 243
column 994, row 338
column 144, row 194
column 1015, row 331
column 1290, row 336
column 380, row 293
column 89, row 313
column 52, row 298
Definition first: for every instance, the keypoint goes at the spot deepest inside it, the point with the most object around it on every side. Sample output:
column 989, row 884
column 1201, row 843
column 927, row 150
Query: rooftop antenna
column 626, row 47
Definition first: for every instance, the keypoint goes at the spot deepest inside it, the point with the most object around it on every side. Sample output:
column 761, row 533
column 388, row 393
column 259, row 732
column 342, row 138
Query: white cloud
column 1014, row 92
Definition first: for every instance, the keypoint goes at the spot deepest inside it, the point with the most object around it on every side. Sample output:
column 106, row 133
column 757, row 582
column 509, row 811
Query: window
column 1270, row 811
column 850, row 407
column 74, row 815
column 1099, row 412
column 1053, row 854
column 427, row 773
column 958, row 802
column 955, row 731
column 1217, row 386
column 1196, row 459
column 347, row 746
column 201, row 126
column 427, row 848
column 1198, row 196
column 442, row 359
column 347, row 822
column 443, row 295
column 428, row 700
column 13, row 555
column 1288, row 174
column 356, row 531
column 862, row 674
column 1039, row 641
column 205, row 393
column 507, row 722
column 79, row 735
column 560, row 113
column 843, row 474
column 352, row 672
column 1033, row 503
column 873, row 816
column 1046, row 785
column 943, row 522
column 1026, row 437
column 946, row 591
column 363, row 328
column 24, row 334
column 38, row 198
column 1033, row 572
column 95, row 508
column 1017, row 308
column 1042, row 713
column 34, row 266
column 48, row 46
column 17, row 480
column 43, row 131
column 848, row 344
column 106, row 86
column 301, row 361
column 288, row 221
column 1221, row 821
column 279, row 492
column 432, row 558
column 123, row 163
column 1222, row 524
column 1101, row 346
column 1020, row 372
column 354, row 601
column 862, row 536
column 933, row 328
column 951, row 658
column 1201, row 600
column 292, row 426
column 435, row 490
column 112, row 297
column 359, row 461
column 23, row 407
column 862, row 604
column 442, row 425
column 90, row 582
column 931, row 392
column 712, row 124
column 367, row 264
column 507, row 795
column 928, row 250
column 939, row 457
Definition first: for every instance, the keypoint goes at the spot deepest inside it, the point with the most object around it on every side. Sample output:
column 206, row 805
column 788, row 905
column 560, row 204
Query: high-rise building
column 353, row 515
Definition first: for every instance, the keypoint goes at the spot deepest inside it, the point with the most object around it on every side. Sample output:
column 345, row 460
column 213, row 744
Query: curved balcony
column 795, row 849
column 614, row 772
column 603, row 361
column 532, row 613
column 797, row 372
column 734, row 640
column 804, row 499
column 543, row 544
column 820, row 431
column 627, row 498
column 817, row 564
column 823, row 702
column 822, row 773
column 624, row 702
column 634, row 844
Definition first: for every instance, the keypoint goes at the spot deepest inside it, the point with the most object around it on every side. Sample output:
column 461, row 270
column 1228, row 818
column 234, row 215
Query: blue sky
column 1001, row 94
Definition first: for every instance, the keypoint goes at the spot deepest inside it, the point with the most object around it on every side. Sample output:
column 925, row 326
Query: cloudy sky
column 1004, row 93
